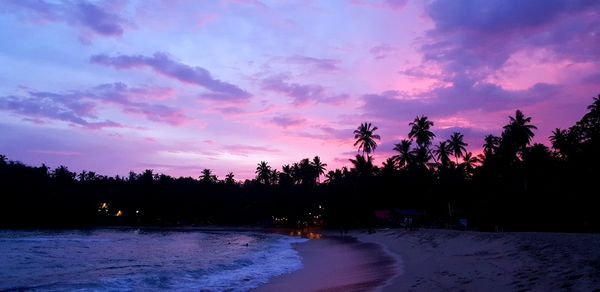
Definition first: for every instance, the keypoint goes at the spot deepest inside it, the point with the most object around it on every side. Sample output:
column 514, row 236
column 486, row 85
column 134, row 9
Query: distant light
column 137, row 211
column 119, row 213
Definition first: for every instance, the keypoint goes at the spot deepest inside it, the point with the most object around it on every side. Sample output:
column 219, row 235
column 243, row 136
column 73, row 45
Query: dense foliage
column 512, row 185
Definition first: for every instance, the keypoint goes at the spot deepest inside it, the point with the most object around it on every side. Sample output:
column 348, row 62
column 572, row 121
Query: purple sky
column 178, row 86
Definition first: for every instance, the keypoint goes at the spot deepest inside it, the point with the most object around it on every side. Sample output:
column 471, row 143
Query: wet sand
column 337, row 264
column 446, row 260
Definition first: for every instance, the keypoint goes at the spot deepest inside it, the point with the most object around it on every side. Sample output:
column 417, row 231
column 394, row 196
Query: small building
column 409, row 218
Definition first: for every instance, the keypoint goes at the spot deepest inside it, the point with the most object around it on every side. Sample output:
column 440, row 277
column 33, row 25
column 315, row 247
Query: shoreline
column 447, row 260
column 335, row 263
column 431, row 260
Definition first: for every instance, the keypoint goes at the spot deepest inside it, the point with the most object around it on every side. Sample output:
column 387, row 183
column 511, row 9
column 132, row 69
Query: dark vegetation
column 512, row 185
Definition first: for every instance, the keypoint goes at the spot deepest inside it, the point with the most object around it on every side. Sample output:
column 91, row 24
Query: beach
column 337, row 263
column 445, row 260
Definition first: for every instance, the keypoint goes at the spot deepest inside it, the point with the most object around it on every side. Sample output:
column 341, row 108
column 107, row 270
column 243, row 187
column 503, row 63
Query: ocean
column 143, row 260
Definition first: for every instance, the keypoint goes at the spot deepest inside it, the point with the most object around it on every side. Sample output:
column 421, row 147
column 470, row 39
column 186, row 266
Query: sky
column 178, row 86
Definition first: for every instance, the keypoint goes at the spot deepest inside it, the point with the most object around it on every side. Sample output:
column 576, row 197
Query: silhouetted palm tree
column 229, row 179
column 442, row 150
column 285, row 176
column 274, row 176
column 559, row 141
column 537, row 154
column 319, row 167
column 207, row 176
column 263, row 172
column 287, row 169
column 305, row 172
column 421, row 156
column 333, row 176
column 491, row 144
column 363, row 166
column 519, row 131
column 82, row 175
column 420, row 131
column 469, row 163
column 389, row 167
column 365, row 138
column 63, row 175
column 457, row 146
column 296, row 175
column 404, row 156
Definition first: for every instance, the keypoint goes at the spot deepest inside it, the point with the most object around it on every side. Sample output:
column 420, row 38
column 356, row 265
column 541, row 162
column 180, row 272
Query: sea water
column 143, row 260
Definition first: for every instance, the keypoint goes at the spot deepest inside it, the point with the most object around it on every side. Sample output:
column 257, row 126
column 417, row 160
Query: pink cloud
column 41, row 106
column 97, row 19
column 163, row 64
column 301, row 94
column 287, row 121
column 382, row 51
column 327, row 65
column 81, row 107
column 240, row 149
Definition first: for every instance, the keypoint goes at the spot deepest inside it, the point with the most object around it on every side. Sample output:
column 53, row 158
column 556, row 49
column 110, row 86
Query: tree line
column 513, row 184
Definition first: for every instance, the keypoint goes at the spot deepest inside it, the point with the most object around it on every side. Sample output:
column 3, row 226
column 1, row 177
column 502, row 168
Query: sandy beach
column 446, row 260
column 337, row 264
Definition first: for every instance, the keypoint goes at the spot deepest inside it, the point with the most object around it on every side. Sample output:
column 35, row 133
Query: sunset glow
column 179, row 86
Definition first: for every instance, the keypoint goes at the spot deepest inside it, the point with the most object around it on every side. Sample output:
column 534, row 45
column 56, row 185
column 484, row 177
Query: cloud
column 163, row 64
column 463, row 95
column 385, row 4
column 80, row 14
column 335, row 133
column 477, row 37
column 321, row 64
column 382, row 51
column 396, row 4
column 79, row 107
column 422, row 72
column 287, row 121
column 240, row 149
column 325, row 133
column 40, row 106
column 301, row 93
column 119, row 93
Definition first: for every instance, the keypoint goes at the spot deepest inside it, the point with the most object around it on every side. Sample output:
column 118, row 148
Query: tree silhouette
column 319, row 167
column 207, row 176
column 420, row 131
column 263, row 172
column 274, row 176
column 404, row 156
column 286, row 175
column 491, row 145
column 365, row 138
column 469, row 163
column 512, row 185
column 442, row 151
column 561, row 141
column 363, row 166
column 519, row 132
column 229, row 179
column 421, row 156
column 457, row 146
column 333, row 176
column 389, row 167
